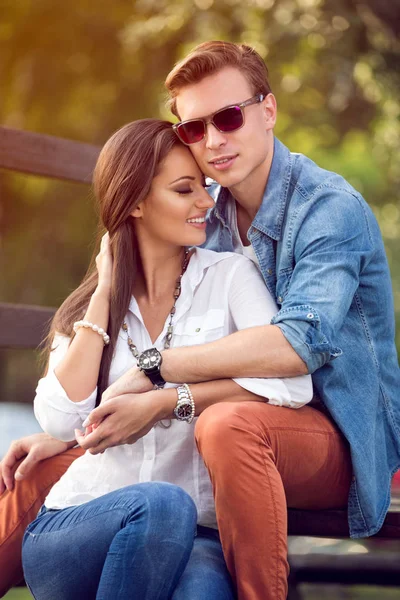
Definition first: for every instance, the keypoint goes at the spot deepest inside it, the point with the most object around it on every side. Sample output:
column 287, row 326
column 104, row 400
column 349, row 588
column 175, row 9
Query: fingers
column 98, row 414
column 94, row 442
column 14, row 453
column 27, row 465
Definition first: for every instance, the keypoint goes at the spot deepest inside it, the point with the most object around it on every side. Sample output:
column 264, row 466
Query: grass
column 18, row 594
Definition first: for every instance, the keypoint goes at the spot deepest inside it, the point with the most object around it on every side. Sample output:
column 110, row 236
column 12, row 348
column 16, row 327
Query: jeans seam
column 76, row 522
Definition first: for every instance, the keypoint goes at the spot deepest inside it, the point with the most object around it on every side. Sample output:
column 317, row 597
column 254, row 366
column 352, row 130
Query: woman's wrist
column 102, row 292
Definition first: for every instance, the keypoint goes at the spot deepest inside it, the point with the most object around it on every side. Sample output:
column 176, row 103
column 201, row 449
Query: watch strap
column 155, row 377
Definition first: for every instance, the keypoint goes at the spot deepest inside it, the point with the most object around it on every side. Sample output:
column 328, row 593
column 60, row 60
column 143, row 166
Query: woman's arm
column 67, row 394
column 79, row 370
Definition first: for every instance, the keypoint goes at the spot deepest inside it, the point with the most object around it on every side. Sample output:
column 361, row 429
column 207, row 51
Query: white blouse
column 221, row 293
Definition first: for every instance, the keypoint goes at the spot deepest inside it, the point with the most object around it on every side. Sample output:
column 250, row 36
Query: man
column 321, row 254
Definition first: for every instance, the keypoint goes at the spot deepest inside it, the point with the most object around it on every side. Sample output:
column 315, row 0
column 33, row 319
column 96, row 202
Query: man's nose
column 214, row 137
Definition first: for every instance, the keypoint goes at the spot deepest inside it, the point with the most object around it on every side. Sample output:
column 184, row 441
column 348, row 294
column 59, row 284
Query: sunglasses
column 225, row 120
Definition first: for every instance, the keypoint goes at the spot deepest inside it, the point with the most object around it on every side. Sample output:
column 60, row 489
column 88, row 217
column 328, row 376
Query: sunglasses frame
column 210, row 118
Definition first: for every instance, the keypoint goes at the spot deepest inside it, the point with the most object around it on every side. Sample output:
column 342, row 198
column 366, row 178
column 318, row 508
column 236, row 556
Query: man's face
column 238, row 157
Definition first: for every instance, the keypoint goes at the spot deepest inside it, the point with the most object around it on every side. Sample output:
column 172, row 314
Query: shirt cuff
column 301, row 326
column 56, row 413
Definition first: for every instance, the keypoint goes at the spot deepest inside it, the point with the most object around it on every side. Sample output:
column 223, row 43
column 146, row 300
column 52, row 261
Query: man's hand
column 34, row 448
column 123, row 420
column 133, row 381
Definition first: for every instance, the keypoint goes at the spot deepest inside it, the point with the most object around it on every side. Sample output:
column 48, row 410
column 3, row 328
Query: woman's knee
column 168, row 507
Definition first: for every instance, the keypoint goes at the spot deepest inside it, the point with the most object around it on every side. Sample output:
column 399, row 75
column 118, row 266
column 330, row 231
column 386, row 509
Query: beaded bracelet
column 95, row 328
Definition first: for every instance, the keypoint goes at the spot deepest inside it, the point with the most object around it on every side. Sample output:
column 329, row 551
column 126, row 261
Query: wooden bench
column 23, row 327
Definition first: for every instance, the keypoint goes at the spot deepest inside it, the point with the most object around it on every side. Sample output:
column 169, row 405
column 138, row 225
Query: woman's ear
column 137, row 211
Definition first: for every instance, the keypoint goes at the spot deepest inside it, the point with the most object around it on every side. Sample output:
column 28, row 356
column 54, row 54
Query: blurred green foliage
column 81, row 70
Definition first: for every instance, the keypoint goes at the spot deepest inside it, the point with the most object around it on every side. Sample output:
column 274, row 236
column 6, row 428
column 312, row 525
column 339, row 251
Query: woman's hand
column 125, row 419
column 104, row 264
column 34, row 448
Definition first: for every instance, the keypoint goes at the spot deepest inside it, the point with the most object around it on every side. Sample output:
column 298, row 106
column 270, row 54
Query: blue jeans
column 138, row 542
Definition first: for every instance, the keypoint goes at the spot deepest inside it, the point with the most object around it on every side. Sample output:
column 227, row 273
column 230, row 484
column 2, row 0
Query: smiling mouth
column 196, row 220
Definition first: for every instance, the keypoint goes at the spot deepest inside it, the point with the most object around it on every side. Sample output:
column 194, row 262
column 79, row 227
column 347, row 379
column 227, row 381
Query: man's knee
column 221, row 426
column 20, row 506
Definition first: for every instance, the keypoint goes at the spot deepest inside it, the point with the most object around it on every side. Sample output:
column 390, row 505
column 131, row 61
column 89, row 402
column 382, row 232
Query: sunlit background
column 81, row 70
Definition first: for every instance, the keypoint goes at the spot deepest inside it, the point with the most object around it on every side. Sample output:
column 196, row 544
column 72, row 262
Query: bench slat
column 47, row 155
column 351, row 569
column 333, row 524
column 23, row 326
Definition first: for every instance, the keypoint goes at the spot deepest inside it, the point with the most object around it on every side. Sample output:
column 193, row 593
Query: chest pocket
column 282, row 285
column 201, row 329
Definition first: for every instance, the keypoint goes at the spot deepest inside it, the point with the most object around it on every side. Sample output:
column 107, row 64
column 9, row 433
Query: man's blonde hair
column 209, row 58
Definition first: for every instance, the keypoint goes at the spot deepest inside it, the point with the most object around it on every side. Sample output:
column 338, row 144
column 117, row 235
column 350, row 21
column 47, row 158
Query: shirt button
column 310, row 316
column 197, row 329
column 269, row 271
column 280, row 299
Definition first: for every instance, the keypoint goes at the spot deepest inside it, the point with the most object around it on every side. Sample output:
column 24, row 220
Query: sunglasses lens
column 191, row 131
column 229, row 119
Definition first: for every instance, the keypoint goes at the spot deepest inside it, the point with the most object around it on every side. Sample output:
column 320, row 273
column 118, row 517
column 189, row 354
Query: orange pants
column 261, row 459
column 20, row 506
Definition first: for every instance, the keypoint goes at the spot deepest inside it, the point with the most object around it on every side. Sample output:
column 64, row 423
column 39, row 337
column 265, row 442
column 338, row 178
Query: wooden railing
column 46, row 155
column 23, row 326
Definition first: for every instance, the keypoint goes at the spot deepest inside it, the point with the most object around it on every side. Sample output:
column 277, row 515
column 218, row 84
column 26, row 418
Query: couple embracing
column 229, row 354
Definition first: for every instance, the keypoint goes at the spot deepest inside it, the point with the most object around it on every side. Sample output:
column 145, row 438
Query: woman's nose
column 204, row 200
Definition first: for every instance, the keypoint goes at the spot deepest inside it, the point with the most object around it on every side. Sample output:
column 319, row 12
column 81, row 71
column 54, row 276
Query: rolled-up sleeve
column 331, row 250
column 252, row 305
column 56, row 413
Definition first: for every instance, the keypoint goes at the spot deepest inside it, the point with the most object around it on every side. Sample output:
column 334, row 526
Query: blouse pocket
column 200, row 329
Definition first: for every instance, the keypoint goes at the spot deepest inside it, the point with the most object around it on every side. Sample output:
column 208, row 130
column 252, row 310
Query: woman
column 138, row 520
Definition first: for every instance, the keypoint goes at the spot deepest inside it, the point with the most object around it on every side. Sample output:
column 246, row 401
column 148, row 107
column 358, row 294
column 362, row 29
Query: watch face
column 150, row 359
column 183, row 411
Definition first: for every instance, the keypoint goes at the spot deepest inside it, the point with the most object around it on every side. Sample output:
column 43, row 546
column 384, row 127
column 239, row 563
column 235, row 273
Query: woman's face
column 174, row 211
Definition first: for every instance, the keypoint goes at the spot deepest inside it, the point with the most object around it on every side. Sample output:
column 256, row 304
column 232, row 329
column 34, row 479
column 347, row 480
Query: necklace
column 177, row 293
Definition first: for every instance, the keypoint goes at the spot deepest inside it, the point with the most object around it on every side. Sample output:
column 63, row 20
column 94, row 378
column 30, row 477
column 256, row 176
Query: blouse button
column 197, row 330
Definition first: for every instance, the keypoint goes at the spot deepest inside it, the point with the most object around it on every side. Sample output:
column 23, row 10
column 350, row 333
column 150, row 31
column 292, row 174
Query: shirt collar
column 270, row 215
column 199, row 262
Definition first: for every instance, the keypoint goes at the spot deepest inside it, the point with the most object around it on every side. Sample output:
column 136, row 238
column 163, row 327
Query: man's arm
column 256, row 352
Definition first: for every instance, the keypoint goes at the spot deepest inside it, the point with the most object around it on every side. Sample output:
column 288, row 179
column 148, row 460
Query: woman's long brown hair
column 122, row 179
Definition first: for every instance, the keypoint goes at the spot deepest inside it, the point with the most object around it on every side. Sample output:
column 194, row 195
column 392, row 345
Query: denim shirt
column 322, row 257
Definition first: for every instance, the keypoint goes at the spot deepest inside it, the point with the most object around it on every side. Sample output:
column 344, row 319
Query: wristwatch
column 149, row 362
column 185, row 407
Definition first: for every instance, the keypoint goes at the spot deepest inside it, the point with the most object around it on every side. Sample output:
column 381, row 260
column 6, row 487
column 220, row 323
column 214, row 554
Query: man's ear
column 270, row 108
